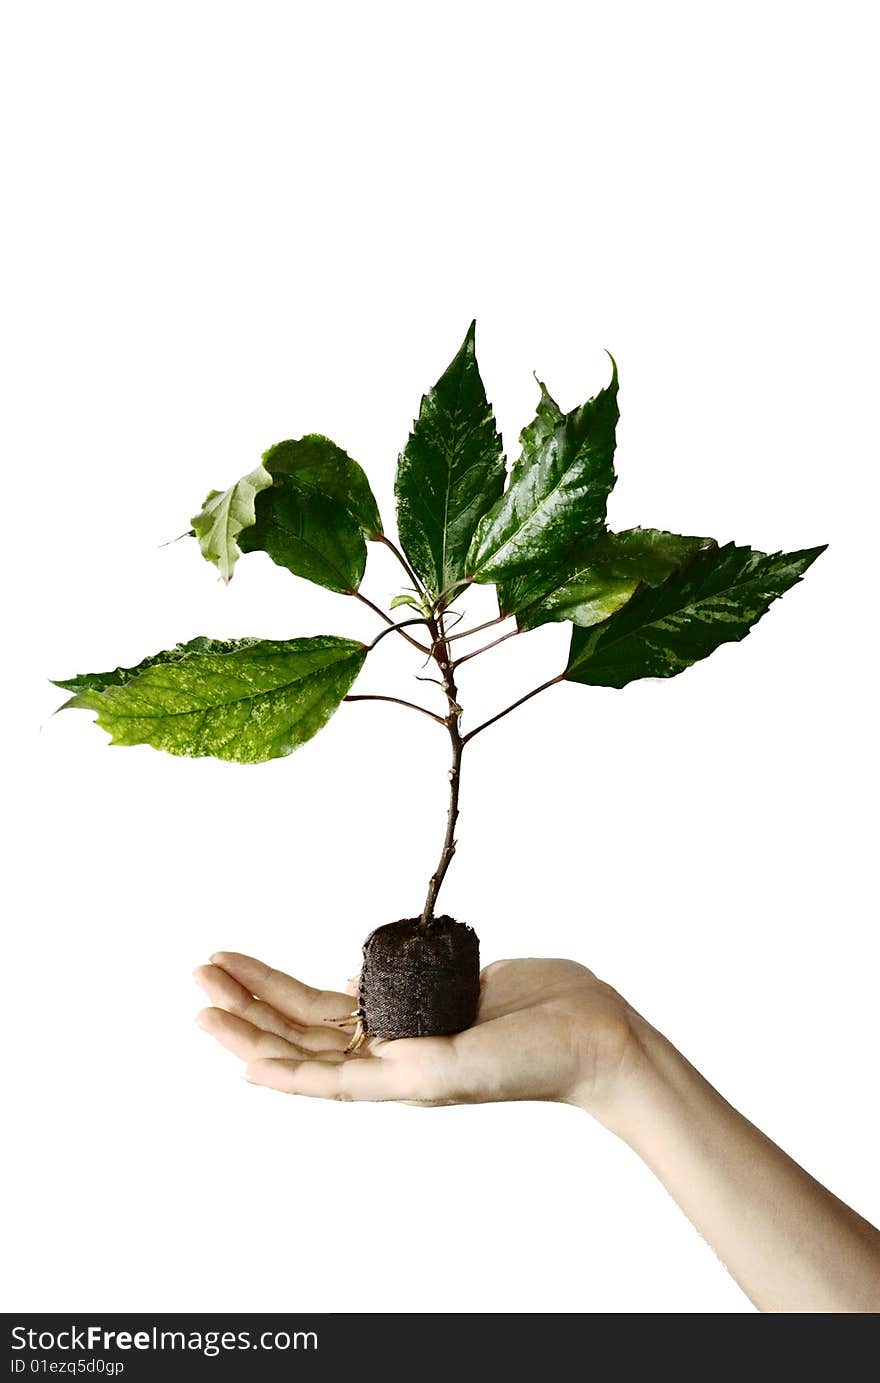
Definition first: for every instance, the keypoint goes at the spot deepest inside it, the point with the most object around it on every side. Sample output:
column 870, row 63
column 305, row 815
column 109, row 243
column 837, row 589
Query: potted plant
column 640, row 603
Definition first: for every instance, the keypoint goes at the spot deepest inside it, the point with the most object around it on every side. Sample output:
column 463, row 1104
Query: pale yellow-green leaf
column 223, row 516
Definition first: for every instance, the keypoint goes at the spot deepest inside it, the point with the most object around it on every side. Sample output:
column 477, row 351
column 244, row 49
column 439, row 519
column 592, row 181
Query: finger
column 225, row 992
column 243, row 1039
column 353, row 1078
column 291, row 997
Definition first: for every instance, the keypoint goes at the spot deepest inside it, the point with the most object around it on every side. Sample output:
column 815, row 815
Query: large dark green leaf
column 309, row 534
column 224, row 515
column 246, row 700
column 536, row 435
column 557, row 493
column 714, row 598
column 449, row 473
column 597, row 578
column 317, row 465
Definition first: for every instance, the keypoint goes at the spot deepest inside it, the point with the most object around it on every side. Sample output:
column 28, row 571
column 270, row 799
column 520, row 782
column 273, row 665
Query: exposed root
column 359, row 1036
column 349, row 1021
column 352, row 1020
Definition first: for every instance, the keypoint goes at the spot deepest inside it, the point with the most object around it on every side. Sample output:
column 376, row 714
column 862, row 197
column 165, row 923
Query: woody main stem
column 439, row 651
column 447, row 672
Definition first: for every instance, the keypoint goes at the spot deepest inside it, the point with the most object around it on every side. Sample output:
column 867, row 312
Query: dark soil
column 420, row 982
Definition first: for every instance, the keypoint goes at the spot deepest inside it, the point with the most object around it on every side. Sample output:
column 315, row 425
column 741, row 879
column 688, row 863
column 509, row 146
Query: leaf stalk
column 398, row 701
column 511, row 633
column 466, row 633
column 506, row 712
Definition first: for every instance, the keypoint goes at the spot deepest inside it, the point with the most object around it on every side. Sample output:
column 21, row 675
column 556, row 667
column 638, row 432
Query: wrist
column 649, row 1078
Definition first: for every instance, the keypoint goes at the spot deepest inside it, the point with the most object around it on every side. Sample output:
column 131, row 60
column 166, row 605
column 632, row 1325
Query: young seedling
column 641, row 603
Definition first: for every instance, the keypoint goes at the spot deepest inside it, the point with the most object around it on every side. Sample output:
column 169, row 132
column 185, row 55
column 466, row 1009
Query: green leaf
column 246, row 700
column 714, row 598
column 223, row 516
column 557, row 493
column 310, row 534
column 399, row 600
column 317, row 465
column 537, row 434
column 597, row 578
column 449, row 473
column 99, row 681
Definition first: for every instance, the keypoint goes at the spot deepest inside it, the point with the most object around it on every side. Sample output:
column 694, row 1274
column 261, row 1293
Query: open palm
column 545, row 1030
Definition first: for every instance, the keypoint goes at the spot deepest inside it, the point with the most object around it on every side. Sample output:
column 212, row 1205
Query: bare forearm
column 790, row 1244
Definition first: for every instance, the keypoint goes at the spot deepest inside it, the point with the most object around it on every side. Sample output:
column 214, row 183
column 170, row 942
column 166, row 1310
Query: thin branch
column 511, row 633
column 398, row 702
column 444, row 595
column 377, row 610
column 501, row 714
column 392, row 547
column 457, row 615
column 465, row 633
column 398, row 629
column 447, row 671
column 390, row 622
column 437, row 605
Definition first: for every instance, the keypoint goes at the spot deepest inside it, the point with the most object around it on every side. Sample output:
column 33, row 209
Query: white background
column 232, row 223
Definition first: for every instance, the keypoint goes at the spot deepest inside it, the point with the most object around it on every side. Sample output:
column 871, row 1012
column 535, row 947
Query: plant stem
column 398, row 702
column 511, row 633
column 506, row 712
column 440, row 651
column 390, row 622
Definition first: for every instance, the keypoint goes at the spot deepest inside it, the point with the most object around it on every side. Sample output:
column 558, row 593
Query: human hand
column 545, row 1030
